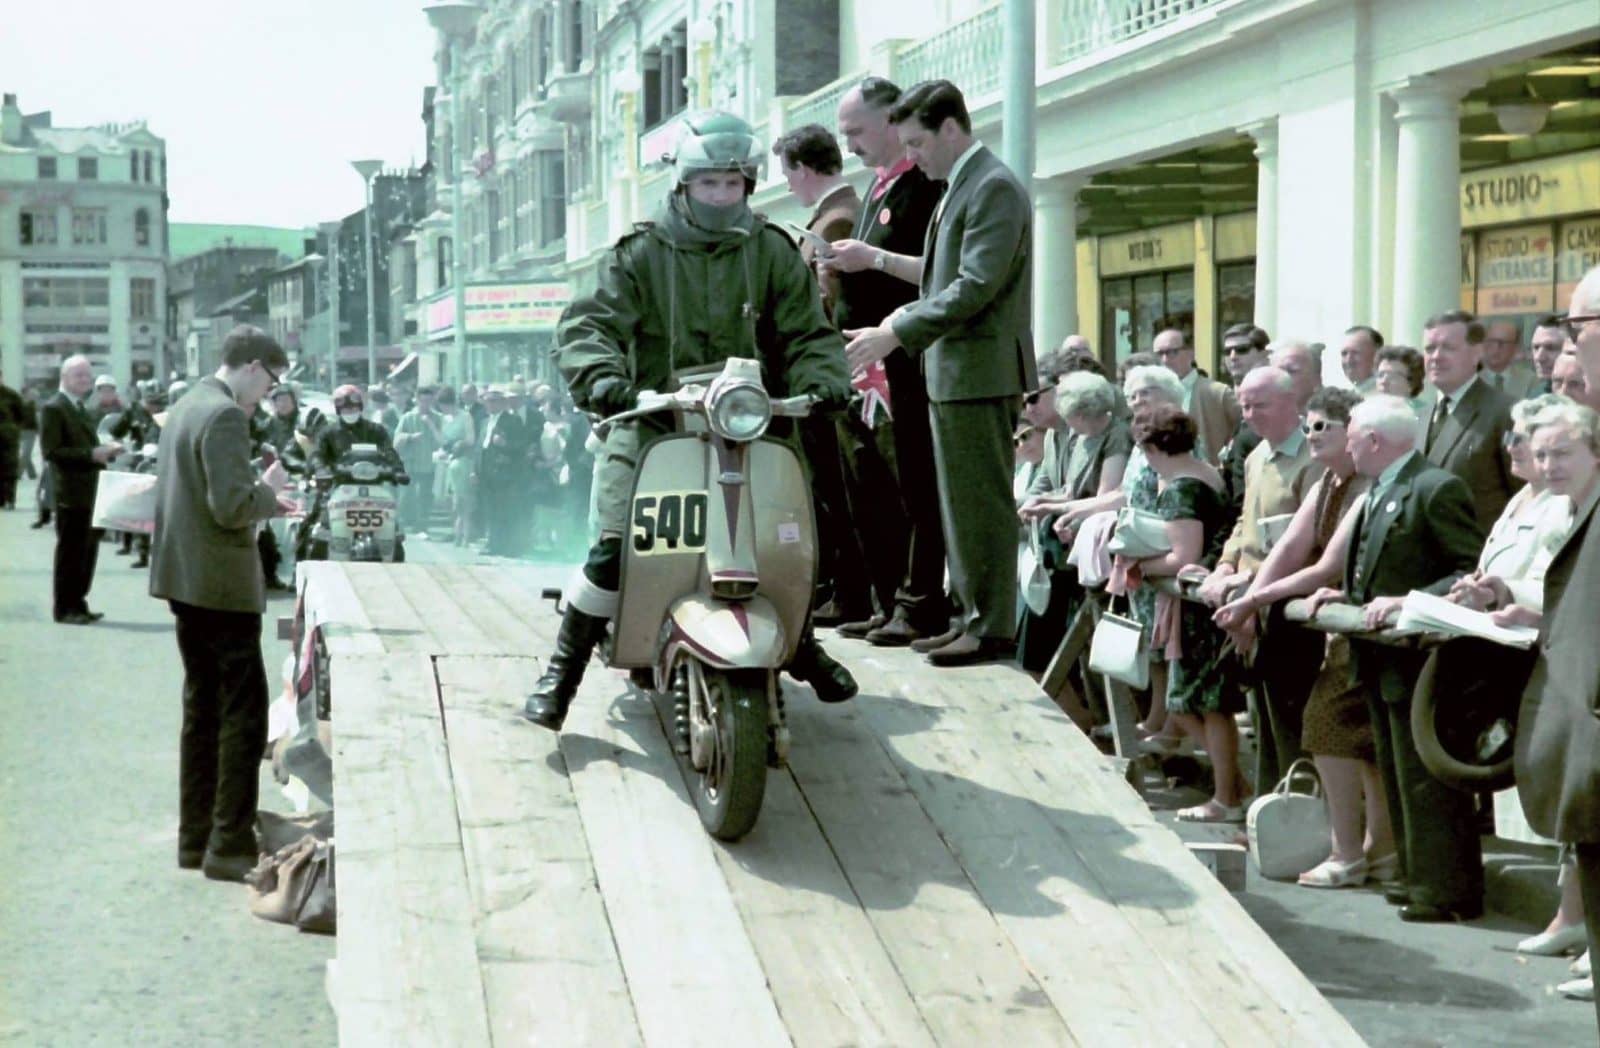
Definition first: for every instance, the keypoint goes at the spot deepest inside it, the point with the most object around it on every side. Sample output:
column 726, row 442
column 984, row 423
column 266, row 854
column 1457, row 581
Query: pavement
column 108, row 942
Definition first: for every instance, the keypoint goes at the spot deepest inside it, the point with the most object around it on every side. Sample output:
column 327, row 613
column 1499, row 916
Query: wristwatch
column 880, row 262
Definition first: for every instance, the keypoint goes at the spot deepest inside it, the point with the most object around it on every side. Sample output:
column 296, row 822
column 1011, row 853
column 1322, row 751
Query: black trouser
column 1288, row 659
column 77, row 550
column 1435, row 829
column 841, row 569
column 271, row 556
column 1041, row 635
column 1589, row 883
column 501, row 513
column 920, row 598
column 877, row 512
column 8, row 491
column 224, row 729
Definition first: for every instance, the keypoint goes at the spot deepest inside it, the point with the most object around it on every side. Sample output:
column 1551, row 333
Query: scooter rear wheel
column 729, row 792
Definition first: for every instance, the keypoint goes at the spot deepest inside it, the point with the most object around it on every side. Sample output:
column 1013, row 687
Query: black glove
column 829, row 400
column 612, row 396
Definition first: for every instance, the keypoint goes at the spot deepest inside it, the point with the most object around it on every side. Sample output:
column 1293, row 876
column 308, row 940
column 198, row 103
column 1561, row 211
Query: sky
column 262, row 105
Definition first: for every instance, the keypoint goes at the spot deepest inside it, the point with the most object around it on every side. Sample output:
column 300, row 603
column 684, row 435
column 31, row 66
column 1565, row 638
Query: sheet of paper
column 1431, row 614
column 819, row 245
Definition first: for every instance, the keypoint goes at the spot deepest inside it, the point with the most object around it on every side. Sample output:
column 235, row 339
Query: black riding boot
column 579, row 633
column 811, row 665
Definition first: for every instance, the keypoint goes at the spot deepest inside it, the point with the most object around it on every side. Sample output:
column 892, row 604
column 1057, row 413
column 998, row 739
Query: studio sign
column 1506, row 190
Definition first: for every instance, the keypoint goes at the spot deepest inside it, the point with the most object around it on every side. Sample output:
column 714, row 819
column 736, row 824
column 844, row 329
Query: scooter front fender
column 724, row 634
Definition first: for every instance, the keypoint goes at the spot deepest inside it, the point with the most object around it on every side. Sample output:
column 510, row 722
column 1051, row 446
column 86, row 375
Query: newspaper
column 1430, row 614
column 822, row 248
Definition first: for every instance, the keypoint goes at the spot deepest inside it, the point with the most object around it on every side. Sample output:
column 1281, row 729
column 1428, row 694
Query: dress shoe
column 966, row 650
column 36, row 525
column 93, row 616
column 896, row 633
column 75, row 618
column 858, row 630
column 1397, row 893
column 927, row 644
column 1566, row 940
column 827, row 677
column 191, row 858
column 142, row 562
column 227, row 867
column 1426, row 913
column 828, row 613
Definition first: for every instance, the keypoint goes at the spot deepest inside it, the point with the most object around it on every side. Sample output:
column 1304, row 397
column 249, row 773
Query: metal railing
column 1088, row 25
column 820, row 106
column 967, row 54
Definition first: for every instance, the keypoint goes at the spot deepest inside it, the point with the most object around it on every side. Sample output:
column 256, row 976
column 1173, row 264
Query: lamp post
column 330, row 232
column 454, row 21
column 367, row 169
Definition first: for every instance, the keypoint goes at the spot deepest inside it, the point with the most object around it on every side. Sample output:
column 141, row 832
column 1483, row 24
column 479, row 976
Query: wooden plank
column 551, row 972
column 394, row 621
column 487, row 613
column 691, row 969
column 408, row 971
column 452, row 629
column 1211, row 948
column 517, row 590
column 331, row 602
column 964, row 974
column 832, row 980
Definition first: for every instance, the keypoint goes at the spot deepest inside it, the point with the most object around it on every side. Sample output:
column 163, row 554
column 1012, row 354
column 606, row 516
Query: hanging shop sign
column 1577, row 252
column 1547, row 188
column 1148, row 250
column 501, row 309
column 1516, row 270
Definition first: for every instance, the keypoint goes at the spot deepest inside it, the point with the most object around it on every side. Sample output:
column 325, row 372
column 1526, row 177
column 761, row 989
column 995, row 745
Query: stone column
column 1266, row 308
column 1427, row 209
column 1055, row 260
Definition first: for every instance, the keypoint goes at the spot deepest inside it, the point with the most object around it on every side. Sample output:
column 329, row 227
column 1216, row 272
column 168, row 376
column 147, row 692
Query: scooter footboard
column 723, row 634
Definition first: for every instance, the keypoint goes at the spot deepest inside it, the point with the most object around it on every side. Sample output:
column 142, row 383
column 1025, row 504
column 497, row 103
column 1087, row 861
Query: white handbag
column 1138, row 534
column 1035, row 578
column 1118, row 650
column 1288, row 831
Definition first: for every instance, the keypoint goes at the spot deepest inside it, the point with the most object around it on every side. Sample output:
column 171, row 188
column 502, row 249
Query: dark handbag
column 315, row 911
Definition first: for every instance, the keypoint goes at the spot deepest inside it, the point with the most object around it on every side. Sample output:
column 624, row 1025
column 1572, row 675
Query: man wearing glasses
column 203, row 563
column 1503, row 366
column 1210, row 403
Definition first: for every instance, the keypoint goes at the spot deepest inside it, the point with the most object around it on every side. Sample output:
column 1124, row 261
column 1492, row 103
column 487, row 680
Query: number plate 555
column 669, row 522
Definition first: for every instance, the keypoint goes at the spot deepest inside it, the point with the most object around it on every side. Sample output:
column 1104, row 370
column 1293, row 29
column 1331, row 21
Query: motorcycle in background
column 359, row 518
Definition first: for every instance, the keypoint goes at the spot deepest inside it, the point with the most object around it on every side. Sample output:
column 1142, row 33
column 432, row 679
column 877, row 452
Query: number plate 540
column 669, row 522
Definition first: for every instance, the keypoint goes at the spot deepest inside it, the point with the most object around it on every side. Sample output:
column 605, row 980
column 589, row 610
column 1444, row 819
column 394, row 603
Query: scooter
column 359, row 518
column 718, row 571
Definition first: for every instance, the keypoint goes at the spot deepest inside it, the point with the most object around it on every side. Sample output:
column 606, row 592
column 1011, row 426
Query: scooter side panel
column 785, row 535
column 663, row 547
column 747, row 635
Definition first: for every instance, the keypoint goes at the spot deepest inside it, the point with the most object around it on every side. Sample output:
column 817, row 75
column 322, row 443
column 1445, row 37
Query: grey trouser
column 973, row 458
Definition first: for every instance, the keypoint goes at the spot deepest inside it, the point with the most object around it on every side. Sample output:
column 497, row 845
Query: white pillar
column 1055, row 260
column 1427, row 215
column 1266, row 308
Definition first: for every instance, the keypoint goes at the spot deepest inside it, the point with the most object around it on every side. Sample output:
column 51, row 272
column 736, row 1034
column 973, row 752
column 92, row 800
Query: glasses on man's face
column 1575, row 323
column 1165, row 353
column 1239, row 350
column 1318, row 425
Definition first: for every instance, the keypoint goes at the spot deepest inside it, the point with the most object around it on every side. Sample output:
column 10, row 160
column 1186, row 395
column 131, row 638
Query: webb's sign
column 501, row 309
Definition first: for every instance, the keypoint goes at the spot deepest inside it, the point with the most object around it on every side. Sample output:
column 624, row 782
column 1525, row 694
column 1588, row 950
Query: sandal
column 1212, row 811
column 1331, row 873
column 1385, row 869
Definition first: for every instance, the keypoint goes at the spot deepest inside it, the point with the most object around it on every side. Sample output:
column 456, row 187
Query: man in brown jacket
column 203, row 562
column 1210, row 403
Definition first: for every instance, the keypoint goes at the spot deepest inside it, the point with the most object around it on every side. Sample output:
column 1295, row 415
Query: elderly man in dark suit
column 71, row 447
column 503, row 450
column 1466, row 432
column 1416, row 531
column 906, row 541
column 972, row 330
column 203, row 563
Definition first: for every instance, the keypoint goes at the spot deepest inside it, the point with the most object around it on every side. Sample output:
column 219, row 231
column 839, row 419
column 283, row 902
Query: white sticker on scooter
column 789, row 531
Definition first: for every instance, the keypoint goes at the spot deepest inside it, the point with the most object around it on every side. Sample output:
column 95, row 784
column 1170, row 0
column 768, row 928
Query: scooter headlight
column 364, row 472
column 740, row 413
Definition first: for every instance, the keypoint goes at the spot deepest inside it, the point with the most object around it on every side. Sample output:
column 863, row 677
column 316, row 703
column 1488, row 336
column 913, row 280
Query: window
column 496, row 236
column 88, row 225
column 141, row 227
column 575, row 32
column 553, row 198
column 37, row 226
column 68, row 293
column 133, row 166
column 442, row 260
column 88, row 169
column 147, row 167
column 47, row 168
column 142, row 298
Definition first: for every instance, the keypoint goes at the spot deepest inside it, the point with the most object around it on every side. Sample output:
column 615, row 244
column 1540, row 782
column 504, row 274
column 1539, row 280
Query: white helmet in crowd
column 716, row 141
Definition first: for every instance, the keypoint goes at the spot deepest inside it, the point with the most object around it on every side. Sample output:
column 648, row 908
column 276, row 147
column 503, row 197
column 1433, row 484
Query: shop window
column 1136, row 308
column 1236, row 296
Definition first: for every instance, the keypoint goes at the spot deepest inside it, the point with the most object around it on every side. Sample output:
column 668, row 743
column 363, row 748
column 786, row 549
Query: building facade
column 83, row 247
column 201, row 284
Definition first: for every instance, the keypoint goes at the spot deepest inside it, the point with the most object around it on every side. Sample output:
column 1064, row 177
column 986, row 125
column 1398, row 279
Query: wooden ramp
column 947, row 860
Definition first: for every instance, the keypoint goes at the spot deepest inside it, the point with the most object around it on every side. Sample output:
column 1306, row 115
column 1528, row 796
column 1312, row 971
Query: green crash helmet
column 716, row 141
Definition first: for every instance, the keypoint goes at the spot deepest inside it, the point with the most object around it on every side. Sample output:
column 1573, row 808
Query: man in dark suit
column 906, row 539
column 203, row 563
column 1549, row 338
column 1466, row 432
column 502, row 469
column 72, row 449
column 1417, row 531
column 971, row 330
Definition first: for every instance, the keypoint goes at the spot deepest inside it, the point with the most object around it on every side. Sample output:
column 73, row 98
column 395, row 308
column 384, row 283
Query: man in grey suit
column 1466, row 432
column 970, row 331
column 203, row 562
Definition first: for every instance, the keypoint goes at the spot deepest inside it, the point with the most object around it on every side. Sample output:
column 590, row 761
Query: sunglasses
column 1574, row 322
column 1318, row 426
column 1239, row 350
column 1033, row 398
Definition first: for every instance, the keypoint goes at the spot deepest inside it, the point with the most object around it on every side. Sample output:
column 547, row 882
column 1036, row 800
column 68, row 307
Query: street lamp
column 454, row 21
column 330, row 233
column 367, row 169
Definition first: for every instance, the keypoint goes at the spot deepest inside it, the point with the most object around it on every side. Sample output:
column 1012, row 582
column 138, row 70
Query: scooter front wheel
column 728, row 793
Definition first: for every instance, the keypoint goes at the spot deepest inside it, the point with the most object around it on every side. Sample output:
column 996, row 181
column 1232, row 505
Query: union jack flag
column 873, row 383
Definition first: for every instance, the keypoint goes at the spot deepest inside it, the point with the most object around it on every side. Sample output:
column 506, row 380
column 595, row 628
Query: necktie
column 1498, row 379
column 1441, row 411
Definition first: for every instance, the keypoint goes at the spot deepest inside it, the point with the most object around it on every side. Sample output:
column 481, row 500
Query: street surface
column 107, row 942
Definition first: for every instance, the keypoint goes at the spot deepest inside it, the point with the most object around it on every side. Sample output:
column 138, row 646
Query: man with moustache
column 877, row 273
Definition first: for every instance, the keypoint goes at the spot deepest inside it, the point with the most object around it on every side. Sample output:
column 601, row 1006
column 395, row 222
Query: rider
column 334, row 442
column 281, row 429
column 707, row 280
